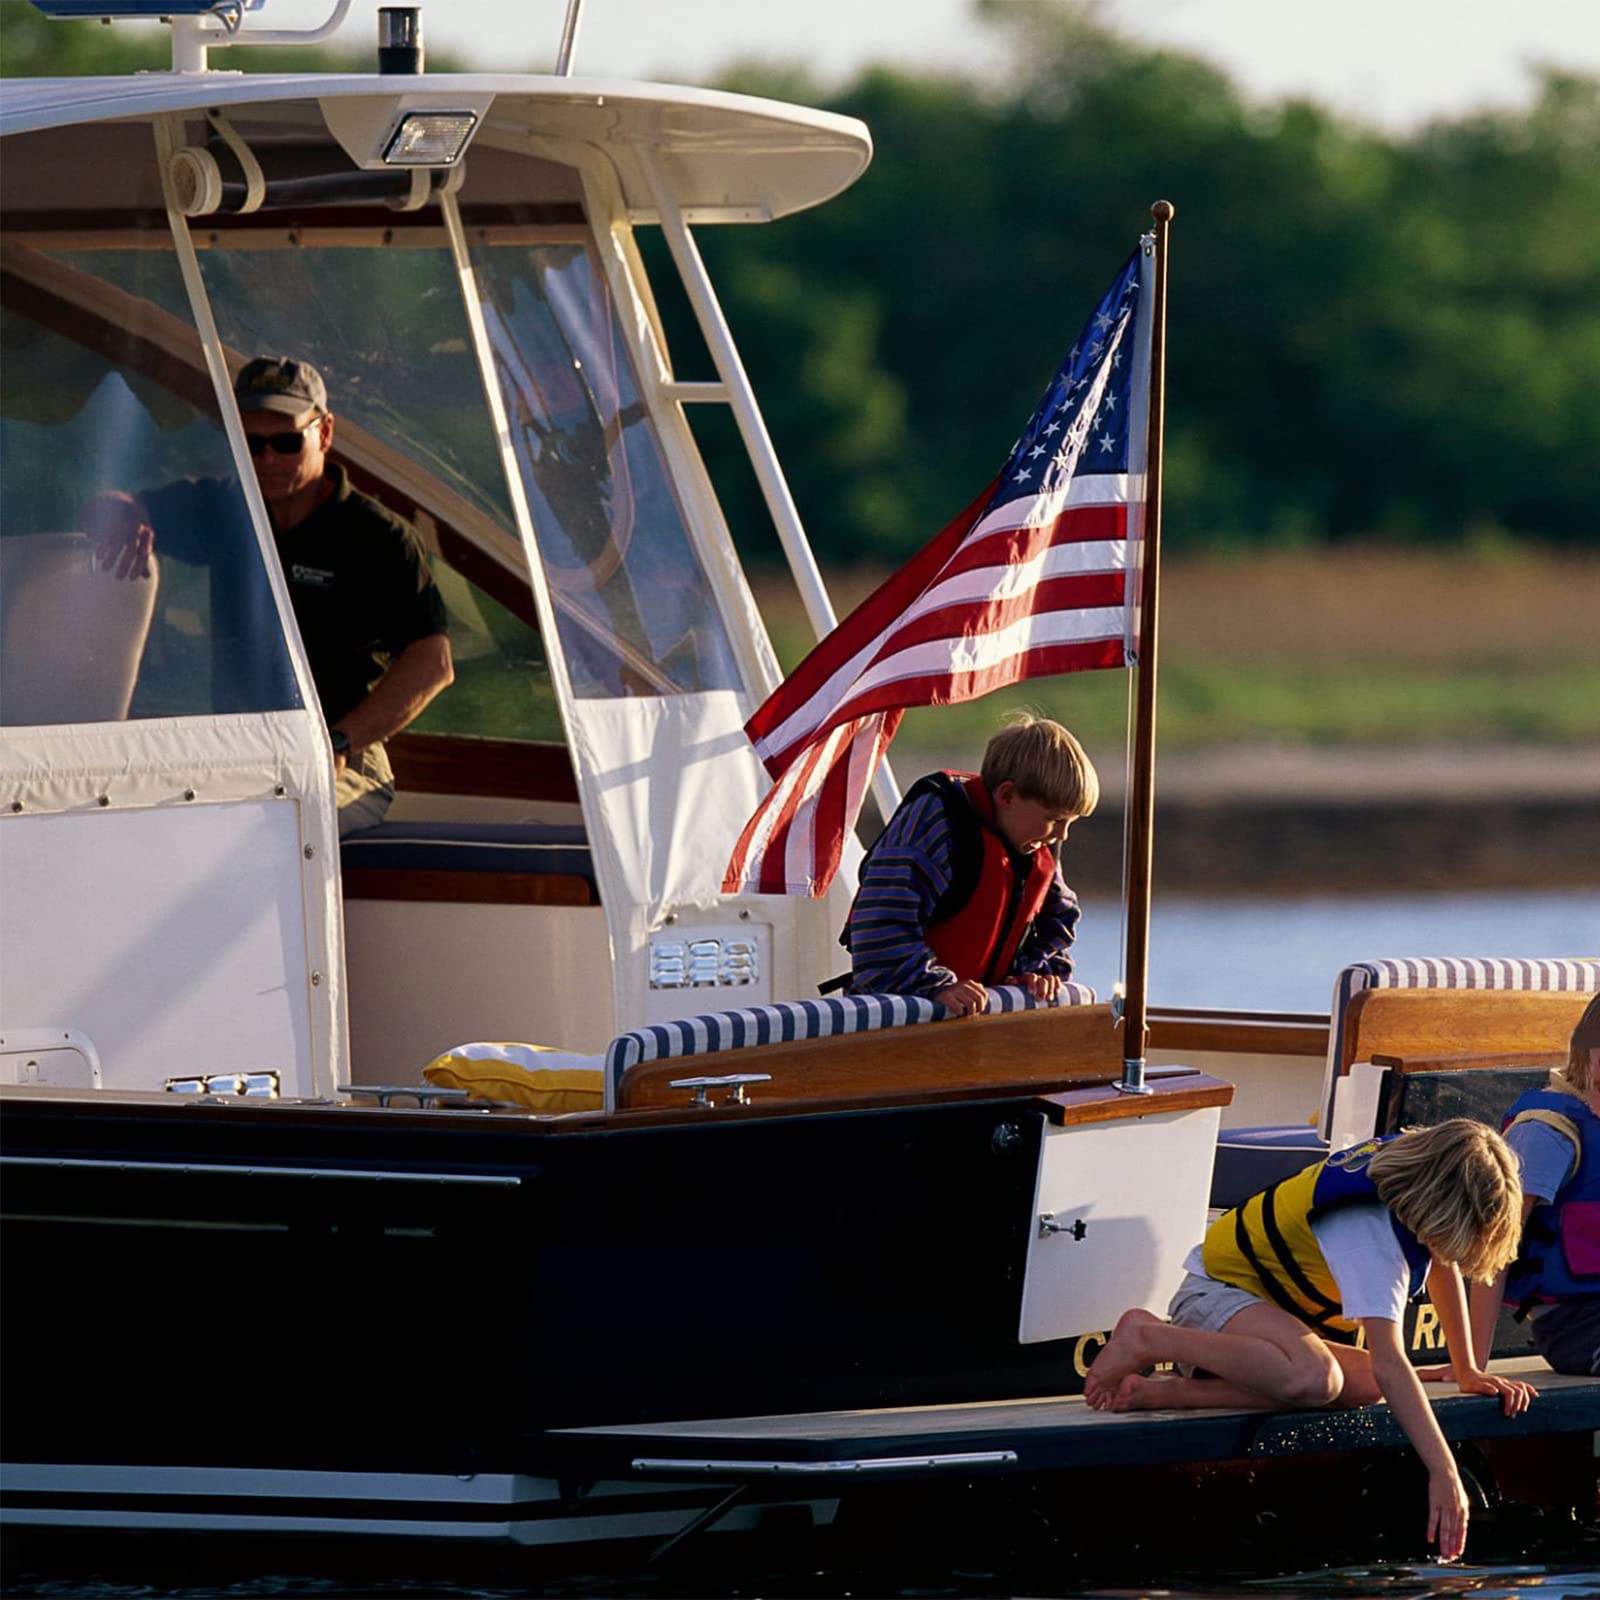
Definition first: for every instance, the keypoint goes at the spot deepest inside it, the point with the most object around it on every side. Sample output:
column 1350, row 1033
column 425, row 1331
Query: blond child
column 1278, row 1291
column 963, row 888
column 1555, row 1135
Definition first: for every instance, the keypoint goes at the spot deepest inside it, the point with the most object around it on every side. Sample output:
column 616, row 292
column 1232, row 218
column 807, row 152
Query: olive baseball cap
column 280, row 383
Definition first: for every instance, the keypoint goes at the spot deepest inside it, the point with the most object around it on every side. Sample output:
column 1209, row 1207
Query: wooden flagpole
column 1142, row 792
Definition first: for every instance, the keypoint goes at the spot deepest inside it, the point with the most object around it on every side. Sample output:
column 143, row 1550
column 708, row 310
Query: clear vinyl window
column 107, row 404
column 634, row 607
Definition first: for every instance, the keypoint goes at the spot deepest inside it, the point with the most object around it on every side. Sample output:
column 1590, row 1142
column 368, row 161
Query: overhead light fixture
column 416, row 128
column 430, row 138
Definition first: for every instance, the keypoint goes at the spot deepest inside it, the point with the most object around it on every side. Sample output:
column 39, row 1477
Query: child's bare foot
column 1136, row 1392
column 1125, row 1355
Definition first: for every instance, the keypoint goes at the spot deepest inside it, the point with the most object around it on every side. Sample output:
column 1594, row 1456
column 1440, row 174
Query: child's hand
column 1041, row 985
column 1447, row 1513
column 962, row 999
column 1515, row 1395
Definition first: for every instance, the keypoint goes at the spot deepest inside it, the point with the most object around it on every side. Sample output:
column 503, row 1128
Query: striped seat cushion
column 1575, row 976
column 790, row 1020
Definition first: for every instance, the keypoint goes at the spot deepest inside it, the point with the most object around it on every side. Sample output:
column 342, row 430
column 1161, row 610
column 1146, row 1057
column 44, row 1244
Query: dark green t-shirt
column 358, row 580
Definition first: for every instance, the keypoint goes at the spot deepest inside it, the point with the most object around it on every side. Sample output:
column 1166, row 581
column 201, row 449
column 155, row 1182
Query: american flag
column 1030, row 580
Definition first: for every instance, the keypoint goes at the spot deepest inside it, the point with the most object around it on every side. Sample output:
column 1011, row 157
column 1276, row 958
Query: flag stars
column 1037, row 451
column 1107, row 444
column 1102, row 321
column 1054, row 428
column 1023, row 476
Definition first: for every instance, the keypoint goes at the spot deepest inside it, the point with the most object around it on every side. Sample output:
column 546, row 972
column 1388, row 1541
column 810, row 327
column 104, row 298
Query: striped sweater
column 905, row 875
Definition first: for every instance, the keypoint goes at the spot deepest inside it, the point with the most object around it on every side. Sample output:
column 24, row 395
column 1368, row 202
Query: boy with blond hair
column 963, row 889
column 1554, row 1133
column 1276, row 1294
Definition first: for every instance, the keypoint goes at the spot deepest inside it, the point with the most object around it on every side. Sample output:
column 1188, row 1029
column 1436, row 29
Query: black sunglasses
column 283, row 444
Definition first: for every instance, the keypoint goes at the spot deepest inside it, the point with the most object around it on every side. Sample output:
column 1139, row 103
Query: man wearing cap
column 370, row 615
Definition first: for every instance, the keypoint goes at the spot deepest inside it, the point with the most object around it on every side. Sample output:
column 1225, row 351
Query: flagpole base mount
column 1132, row 1079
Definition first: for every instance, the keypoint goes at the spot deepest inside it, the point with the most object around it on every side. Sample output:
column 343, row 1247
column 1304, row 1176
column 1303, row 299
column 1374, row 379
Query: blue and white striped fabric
column 790, row 1020
column 1576, row 976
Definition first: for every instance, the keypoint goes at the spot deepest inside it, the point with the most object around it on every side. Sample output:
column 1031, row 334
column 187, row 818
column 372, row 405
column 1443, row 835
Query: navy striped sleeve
column 1047, row 947
column 905, row 875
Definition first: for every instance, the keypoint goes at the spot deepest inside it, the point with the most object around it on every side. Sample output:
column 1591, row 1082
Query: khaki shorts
column 1205, row 1304
column 364, row 790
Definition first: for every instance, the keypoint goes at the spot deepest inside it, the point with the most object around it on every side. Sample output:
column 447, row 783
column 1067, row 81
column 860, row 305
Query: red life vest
column 979, row 939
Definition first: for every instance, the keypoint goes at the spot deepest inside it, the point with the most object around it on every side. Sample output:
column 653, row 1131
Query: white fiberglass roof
column 727, row 157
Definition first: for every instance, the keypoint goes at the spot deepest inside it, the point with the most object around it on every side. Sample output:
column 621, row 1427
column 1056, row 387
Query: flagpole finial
column 1163, row 211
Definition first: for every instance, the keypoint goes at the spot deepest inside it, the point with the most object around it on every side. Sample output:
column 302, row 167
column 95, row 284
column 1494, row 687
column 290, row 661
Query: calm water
column 1282, row 955
column 1553, row 1564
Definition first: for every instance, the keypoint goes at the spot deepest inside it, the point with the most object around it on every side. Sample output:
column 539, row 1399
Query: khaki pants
column 364, row 790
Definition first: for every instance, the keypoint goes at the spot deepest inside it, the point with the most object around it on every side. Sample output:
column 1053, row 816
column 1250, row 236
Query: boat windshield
column 381, row 316
column 107, row 390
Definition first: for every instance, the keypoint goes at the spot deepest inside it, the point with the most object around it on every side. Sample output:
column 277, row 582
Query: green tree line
column 1371, row 336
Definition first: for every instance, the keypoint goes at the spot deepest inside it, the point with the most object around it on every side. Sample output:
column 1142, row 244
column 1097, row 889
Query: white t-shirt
column 1363, row 1253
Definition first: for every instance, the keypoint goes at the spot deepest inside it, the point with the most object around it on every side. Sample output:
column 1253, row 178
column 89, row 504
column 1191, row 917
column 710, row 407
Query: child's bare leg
column 1268, row 1353
column 1360, row 1386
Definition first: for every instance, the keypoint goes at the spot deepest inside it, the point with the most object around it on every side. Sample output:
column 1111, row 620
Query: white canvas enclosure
column 169, row 879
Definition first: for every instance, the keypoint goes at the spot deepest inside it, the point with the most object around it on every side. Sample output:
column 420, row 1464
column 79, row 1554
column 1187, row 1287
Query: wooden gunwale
column 1283, row 1033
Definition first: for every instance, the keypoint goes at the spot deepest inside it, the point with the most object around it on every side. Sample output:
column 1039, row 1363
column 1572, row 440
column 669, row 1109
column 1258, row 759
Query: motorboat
column 442, row 1181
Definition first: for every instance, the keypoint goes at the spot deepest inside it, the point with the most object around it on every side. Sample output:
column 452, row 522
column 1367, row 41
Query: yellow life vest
column 1266, row 1245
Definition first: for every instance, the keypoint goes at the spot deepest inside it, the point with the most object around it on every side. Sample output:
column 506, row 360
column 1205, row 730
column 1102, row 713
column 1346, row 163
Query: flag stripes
column 1031, row 579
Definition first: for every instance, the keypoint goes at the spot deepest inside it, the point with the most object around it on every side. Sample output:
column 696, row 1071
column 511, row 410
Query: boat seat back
column 1421, row 1006
column 725, row 1034
column 1434, row 1005
column 71, row 634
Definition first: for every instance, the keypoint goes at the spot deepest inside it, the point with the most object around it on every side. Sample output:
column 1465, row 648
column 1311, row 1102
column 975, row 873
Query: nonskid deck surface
column 1046, row 1434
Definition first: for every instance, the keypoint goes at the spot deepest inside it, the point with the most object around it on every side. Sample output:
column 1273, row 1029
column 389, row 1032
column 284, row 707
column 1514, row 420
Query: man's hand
column 1041, row 985
column 121, row 531
column 963, row 999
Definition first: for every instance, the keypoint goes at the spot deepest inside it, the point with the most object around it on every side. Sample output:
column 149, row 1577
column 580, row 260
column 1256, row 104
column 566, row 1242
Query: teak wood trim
column 439, row 886
column 1469, row 1063
column 1267, row 1034
column 1442, row 1022
column 1023, row 1052
column 1106, row 1103
column 503, row 769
